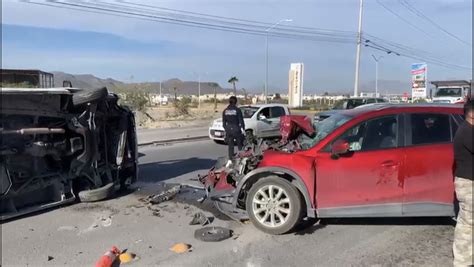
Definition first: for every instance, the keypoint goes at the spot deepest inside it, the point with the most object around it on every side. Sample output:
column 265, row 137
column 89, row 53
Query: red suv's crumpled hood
column 292, row 125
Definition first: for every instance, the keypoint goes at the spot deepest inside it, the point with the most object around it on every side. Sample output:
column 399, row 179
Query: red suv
column 376, row 161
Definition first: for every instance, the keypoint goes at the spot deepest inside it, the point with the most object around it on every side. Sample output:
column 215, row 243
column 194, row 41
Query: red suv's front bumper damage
column 221, row 182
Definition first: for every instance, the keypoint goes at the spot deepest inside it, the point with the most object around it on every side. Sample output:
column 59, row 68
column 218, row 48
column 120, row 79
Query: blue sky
column 107, row 46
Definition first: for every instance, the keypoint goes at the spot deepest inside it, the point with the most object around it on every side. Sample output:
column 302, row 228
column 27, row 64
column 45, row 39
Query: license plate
column 218, row 134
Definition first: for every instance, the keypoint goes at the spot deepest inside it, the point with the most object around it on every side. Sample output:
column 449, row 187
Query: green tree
column 233, row 80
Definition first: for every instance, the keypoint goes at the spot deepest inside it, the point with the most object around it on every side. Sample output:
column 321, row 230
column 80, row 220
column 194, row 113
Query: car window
column 430, row 129
column 265, row 112
column 370, row 100
column 454, row 126
column 248, row 111
column 277, row 112
column 340, row 104
column 380, row 133
column 353, row 103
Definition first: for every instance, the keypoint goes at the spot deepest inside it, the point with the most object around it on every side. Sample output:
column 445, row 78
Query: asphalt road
column 77, row 235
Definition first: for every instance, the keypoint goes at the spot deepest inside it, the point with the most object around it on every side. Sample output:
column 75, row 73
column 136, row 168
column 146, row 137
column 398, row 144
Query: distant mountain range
column 167, row 87
column 191, row 87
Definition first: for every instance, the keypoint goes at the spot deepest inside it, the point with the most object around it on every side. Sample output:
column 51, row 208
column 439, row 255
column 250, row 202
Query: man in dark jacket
column 463, row 155
column 234, row 125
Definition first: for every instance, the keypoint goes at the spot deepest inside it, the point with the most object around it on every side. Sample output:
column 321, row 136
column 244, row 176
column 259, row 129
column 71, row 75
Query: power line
column 409, row 54
column 249, row 27
column 87, row 6
column 262, row 26
column 403, row 19
column 420, row 14
column 266, row 24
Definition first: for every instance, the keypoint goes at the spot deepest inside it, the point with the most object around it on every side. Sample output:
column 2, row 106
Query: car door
column 275, row 115
column 428, row 185
column 365, row 182
column 264, row 123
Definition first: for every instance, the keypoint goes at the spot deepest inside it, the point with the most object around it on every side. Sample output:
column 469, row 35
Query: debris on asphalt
column 106, row 222
column 200, row 218
column 67, row 228
column 109, row 257
column 165, row 195
column 212, row 234
column 180, row 248
column 127, row 257
column 50, row 258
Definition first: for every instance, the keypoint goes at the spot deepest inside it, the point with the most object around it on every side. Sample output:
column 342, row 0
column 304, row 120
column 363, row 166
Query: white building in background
column 295, row 85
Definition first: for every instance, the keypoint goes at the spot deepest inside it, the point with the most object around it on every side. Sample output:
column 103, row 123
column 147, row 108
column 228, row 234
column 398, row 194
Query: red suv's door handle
column 390, row 163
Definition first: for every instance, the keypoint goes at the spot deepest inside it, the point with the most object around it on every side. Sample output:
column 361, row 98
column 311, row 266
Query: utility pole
column 359, row 42
column 377, row 59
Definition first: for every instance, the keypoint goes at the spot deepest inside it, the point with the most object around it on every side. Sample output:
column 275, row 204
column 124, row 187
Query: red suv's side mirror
column 340, row 147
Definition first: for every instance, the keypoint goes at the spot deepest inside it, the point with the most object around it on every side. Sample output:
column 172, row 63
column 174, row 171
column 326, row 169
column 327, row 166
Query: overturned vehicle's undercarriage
column 227, row 184
column 63, row 143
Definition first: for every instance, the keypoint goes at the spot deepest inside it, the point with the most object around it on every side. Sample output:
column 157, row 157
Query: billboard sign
column 418, row 80
column 295, row 90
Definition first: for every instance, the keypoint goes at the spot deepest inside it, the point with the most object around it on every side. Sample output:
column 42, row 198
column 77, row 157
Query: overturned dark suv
column 59, row 145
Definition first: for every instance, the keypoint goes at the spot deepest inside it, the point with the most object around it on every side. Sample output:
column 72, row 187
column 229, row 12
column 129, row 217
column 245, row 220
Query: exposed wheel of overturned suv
column 58, row 144
column 274, row 205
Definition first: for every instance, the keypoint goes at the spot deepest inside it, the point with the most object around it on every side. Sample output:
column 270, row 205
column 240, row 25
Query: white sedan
column 260, row 120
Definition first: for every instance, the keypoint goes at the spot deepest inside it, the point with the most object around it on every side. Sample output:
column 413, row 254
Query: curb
column 176, row 140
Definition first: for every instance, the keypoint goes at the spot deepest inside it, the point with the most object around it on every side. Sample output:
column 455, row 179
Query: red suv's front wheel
column 274, row 205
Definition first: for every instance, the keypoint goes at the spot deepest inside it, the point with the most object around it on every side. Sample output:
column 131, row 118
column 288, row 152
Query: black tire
column 212, row 234
column 294, row 205
column 219, row 142
column 97, row 194
column 89, row 96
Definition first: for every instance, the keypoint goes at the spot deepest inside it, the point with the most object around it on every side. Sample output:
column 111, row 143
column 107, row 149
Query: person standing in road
column 463, row 152
column 233, row 123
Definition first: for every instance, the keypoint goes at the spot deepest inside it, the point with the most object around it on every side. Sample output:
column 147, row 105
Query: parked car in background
column 374, row 161
column 62, row 144
column 260, row 121
column 452, row 92
column 348, row 103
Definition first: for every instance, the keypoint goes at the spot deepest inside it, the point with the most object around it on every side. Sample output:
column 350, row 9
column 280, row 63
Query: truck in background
column 452, row 92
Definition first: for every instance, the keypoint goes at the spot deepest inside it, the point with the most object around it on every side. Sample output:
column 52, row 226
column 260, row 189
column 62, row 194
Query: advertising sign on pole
column 418, row 80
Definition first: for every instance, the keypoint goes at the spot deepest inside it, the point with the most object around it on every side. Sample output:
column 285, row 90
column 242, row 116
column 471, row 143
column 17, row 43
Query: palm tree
column 233, row 80
column 214, row 85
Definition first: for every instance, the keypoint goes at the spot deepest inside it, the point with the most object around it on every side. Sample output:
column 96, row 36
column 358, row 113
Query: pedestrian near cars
column 233, row 123
column 463, row 155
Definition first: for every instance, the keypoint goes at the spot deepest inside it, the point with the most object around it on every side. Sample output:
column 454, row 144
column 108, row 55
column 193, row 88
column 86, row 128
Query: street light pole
column 359, row 41
column 266, row 55
column 266, row 69
column 199, row 91
column 377, row 59
column 161, row 96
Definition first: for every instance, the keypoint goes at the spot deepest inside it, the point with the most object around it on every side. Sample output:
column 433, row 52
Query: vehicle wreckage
column 60, row 144
column 228, row 185
column 372, row 161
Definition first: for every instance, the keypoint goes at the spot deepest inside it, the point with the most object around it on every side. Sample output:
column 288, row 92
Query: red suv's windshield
column 324, row 128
